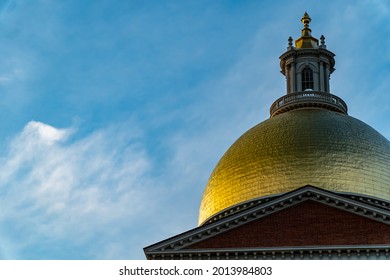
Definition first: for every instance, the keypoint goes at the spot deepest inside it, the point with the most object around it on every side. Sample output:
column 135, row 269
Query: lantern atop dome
column 307, row 68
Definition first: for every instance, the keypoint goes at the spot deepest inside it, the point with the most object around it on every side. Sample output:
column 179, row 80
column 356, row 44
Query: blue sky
column 114, row 113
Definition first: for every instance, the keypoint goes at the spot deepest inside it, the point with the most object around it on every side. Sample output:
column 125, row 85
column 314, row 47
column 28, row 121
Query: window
column 307, row 78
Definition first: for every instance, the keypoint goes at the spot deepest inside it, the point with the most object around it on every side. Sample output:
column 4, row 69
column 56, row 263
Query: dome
column 309, row 146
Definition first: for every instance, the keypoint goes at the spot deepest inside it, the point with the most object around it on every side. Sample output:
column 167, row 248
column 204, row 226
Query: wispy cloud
column 57, row 190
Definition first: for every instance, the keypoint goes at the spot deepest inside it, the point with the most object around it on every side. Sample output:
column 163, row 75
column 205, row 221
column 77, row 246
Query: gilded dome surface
column 317, row 147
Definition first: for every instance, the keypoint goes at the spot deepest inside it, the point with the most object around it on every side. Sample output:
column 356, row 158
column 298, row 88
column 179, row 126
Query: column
column 293, row 77
column 322, row 76
column 288, row 77
column 327, row 77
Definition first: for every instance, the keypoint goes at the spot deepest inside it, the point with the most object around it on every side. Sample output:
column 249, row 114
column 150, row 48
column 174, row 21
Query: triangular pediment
column 308, row 216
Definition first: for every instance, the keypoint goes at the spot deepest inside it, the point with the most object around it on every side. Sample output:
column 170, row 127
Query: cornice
column 294, row 54
column 381, row 252
column 299, row 52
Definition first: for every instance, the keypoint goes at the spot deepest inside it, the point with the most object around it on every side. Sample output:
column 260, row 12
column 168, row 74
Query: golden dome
column 301, row 147
column 308, row 140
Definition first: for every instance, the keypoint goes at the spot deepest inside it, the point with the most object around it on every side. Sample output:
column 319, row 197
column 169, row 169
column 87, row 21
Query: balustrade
column 308, row 99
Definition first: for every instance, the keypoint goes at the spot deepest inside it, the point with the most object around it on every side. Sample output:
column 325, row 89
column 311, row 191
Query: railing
column 308, row 99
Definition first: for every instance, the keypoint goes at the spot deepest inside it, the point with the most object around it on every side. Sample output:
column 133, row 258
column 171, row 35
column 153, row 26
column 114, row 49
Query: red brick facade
column 308, row 223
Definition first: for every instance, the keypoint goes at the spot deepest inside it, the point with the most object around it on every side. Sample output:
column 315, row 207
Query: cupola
column 307, row 68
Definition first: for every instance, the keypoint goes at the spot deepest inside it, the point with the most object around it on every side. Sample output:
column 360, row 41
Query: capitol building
column 310, row 182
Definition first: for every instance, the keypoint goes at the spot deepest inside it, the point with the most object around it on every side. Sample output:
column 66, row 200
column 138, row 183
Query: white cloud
column 57, row 190
column 38, row 132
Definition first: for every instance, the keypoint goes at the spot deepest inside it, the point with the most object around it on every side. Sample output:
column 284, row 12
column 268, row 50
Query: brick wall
column 308, row 223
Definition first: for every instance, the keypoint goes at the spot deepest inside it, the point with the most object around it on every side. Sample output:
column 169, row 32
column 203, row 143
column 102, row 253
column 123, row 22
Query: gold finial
column 306, row 20
column 306, row 40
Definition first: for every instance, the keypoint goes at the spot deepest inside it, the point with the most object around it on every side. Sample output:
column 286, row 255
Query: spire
column 306, row 20
column 306, row 41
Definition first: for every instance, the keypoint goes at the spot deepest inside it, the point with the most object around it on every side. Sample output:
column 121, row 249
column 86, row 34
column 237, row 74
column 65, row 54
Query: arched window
column 307, row 78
